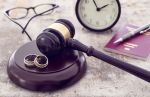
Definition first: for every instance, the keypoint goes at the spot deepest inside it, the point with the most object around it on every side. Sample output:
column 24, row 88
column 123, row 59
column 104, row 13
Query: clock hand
column 95, row 5
column 99, row 9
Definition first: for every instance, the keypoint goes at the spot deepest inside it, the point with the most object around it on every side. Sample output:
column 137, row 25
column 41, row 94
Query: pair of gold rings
column 34, row 60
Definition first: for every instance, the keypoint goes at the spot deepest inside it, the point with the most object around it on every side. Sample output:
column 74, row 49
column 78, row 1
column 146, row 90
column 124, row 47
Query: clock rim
column 98, row 30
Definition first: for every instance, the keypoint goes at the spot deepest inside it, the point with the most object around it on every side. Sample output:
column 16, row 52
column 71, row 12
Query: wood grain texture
column 102, row 79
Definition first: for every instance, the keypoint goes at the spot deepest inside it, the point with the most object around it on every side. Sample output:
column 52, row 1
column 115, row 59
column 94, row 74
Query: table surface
column 101, row 79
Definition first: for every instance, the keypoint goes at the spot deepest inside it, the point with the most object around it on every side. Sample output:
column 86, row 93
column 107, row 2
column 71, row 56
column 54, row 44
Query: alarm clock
column 98, row 15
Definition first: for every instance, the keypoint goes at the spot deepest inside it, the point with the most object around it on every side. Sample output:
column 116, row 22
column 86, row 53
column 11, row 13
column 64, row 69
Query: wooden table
column 102, row 79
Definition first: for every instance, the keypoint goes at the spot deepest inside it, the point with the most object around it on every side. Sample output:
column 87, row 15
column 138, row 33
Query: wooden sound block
column 62, row 71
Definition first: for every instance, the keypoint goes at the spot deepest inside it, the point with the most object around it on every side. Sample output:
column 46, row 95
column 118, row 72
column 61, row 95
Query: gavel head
column 53, row 39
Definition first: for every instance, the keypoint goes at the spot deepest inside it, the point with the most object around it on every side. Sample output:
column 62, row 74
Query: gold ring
column 29, row 60
column 41, row 61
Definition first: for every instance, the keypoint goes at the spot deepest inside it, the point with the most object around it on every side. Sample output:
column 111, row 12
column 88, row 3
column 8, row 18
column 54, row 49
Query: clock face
column 98, row 15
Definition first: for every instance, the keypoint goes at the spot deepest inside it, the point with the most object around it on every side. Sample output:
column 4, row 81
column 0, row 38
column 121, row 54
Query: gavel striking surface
column 62, row 71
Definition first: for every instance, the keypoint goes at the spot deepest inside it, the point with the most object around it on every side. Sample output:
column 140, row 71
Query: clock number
column 82, row 8
column 113, row 10
column 97, row 23
column 90, row 20
column 112, row 2
column 86, row 1
column 111, row 17
column 84, row 15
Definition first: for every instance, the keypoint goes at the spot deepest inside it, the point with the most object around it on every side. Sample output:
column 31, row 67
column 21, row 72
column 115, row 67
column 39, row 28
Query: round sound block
column 62, row 70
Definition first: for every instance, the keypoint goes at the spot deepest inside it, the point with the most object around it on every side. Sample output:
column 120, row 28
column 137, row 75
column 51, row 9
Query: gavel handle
column 90, row 51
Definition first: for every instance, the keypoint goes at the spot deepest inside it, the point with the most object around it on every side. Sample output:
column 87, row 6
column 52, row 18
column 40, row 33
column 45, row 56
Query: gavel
column 59, row 36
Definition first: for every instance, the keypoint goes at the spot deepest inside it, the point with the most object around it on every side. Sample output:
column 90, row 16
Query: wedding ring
column 29, row 60
column 41, row 61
